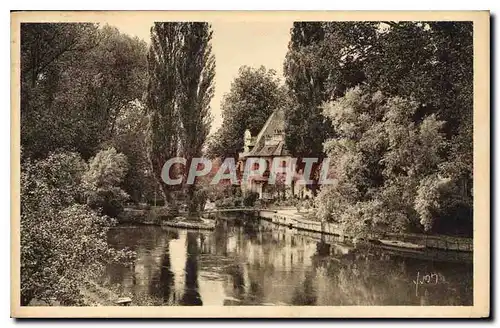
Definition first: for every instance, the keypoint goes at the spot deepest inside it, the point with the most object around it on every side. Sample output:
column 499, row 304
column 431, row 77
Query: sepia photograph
column 250, row 164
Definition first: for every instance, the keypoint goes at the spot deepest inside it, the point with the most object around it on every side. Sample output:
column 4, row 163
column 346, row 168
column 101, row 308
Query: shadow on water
column 258, row 263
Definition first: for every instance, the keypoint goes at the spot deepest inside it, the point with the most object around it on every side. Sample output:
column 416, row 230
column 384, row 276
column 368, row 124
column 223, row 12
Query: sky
column 234, row 44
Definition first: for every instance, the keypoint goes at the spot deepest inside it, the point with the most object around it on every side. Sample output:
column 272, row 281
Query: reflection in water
column 270, row 265
column 191, row 294
column 178, row 258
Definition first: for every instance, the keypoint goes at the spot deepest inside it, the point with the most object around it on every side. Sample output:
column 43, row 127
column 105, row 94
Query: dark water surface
column 270, row 265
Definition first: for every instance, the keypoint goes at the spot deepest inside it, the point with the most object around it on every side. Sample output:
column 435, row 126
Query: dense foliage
column 181, row 84
column 76, row 81
column 305, row 126
column 102, row 182
column 63, row 241
column 388, row 167
column 129, row 138
column 163, row 125
column 197, row 71
column 402, row 146
column 236, row 199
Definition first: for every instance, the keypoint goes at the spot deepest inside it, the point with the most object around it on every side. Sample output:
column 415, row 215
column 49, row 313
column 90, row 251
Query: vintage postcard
column 250, row 164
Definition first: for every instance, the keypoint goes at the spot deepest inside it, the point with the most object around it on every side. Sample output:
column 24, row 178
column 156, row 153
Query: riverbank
column 290, row 218
column 296, row 220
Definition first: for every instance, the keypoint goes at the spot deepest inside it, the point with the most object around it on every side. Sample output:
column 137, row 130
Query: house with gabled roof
column 269, row 144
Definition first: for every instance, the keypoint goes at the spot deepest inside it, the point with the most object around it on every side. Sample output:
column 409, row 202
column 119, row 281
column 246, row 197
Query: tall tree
column 254, row 95
column 120, row 76
column 306, row 128
column 196, row 71
column 163, row 129
column 47, row 50
column 75, row 79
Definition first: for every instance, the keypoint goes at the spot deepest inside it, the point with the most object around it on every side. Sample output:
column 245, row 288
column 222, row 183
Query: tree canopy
column 254, row 95
column 424, row 70
column 75, row 80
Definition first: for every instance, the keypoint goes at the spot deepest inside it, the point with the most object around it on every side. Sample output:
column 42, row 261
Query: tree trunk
column 314, row 188
column 170, row 201
column 193, row 203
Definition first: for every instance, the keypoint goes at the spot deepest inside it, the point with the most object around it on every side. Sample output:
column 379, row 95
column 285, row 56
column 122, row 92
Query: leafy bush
column 218, row 203
column 229, row 202
column 63, row 242
column 249, row 198
column 237, row 201
column 287, row 202
column 102, row 182
column 199, row 199
column 389, row 169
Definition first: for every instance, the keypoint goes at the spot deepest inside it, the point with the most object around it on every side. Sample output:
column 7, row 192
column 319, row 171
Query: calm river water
column 269, row 265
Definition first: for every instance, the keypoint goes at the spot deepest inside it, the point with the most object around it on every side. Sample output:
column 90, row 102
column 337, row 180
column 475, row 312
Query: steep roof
column 271, row 139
